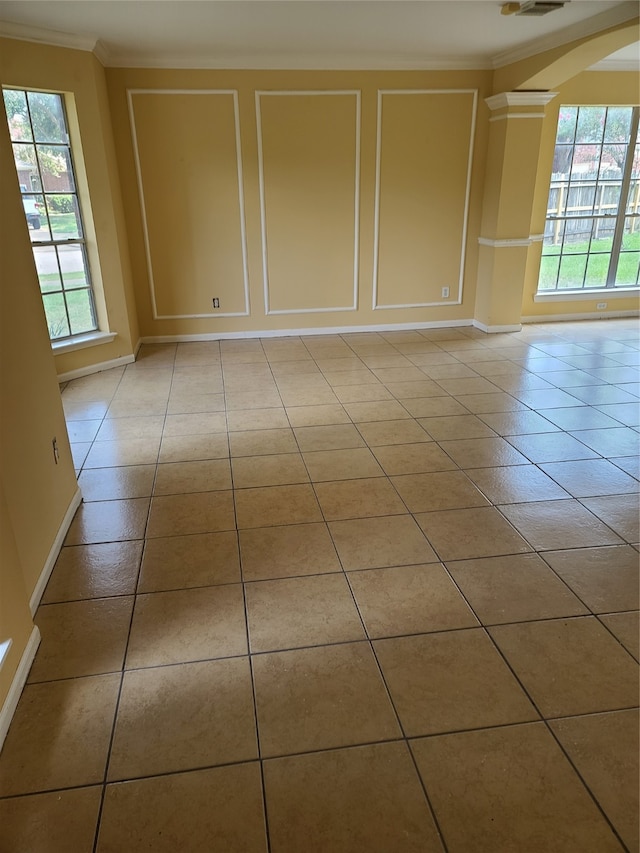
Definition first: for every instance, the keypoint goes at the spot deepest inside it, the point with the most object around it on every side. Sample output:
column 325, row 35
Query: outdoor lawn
column 579, row 269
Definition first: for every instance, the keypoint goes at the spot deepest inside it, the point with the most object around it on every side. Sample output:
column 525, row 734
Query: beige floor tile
column 539, row 804
column 181, row 562
column 106, row 484
column 187, row 402
column 262, row 442
column 81, row 638
column 187, row 625
column 620, row 512
column 202, row 512
column 184, row 717
column 559, row 524
column 108, row 521
column 82, row 430
column 517, row 588
column 551, row 447
column 414, row 458
column 606, row 579
column 191, row 447
column 278, row 469
column 569, row 666
column 205, row 475
column 296, row 612
column 408, row 373
column 323, row 415
column 370, row 543
column 80, row 712
column 412, row 390
column 57, row 822
column 456, row 427
column 254, row 419
column 621, row 441
column 626, row 628
column 470, row 385
column 334, row 437
column 308, row 396
column 195, row 424
column 383, row 410
column 243, row 400
column 287, row 551
column 124, row 451
column 358, row 499
column 591, row 477
column 351, row 800
column 434, row 407
column 605, row 749
column 450, row 681
column 81, row 410
column 319, row 698
column 392, row 432
column 94, row 571
column 129, row 407
column 462, row 534
column 115, row 429
column 486, row 403
column 482, row 452
column 409, row 600
column 349, row 378
column 369, row 393
column 439, row 490
column 274, row 505
column 216, row 809
column 518, row 423
column 516, row 484
column 357, row 462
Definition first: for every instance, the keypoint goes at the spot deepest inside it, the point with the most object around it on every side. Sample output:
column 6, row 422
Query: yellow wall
column 81, row 77
column 590, row 87
column 35, row 491
column 338, row 210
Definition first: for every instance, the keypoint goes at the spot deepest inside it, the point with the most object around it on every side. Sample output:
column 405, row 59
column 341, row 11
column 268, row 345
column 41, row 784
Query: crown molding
column 301, row 62
column 55, row 38
column 616, row 65
column 618, row 15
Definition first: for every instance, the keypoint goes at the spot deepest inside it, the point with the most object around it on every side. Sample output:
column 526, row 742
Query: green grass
column 573, row 262
column 64, row 223
column 78, row 302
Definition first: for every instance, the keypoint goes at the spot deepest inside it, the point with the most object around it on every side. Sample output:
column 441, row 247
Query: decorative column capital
column 505, row 100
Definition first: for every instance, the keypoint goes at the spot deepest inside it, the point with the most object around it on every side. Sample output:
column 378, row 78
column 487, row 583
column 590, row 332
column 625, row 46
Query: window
column 44, row 164
column 592, row 230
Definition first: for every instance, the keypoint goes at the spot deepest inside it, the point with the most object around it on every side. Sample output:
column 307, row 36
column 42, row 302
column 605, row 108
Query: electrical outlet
column 600, row 306
column 56, row 452
column 216, row 302
column 445, row 292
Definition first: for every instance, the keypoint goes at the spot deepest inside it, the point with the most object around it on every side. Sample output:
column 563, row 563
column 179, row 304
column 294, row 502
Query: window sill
column 586, row 295
column 91, row 339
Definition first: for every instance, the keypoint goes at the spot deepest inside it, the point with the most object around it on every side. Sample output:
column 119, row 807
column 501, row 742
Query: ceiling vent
column 532, row 8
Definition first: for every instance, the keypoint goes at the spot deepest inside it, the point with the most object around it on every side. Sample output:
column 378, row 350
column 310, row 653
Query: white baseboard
column 96, row 368
column 45, row 574
column 289, row 333
column 590, row 315
column 19, row 680
column 492, row 330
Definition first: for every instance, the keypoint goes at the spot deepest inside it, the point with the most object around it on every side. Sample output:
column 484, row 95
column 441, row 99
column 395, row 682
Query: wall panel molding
column 233, row 93
column 266, row 272
column 457, row 290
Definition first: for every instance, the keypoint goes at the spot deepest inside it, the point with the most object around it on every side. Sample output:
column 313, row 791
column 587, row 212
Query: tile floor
column 346, row 593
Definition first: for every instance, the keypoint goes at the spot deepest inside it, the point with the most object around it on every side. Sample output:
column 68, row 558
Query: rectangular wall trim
column 377, row 191
column 259, row 94
column 19, row 680
column 145, row 227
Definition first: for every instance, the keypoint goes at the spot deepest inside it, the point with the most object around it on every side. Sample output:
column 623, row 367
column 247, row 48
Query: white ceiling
column 309, row 33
